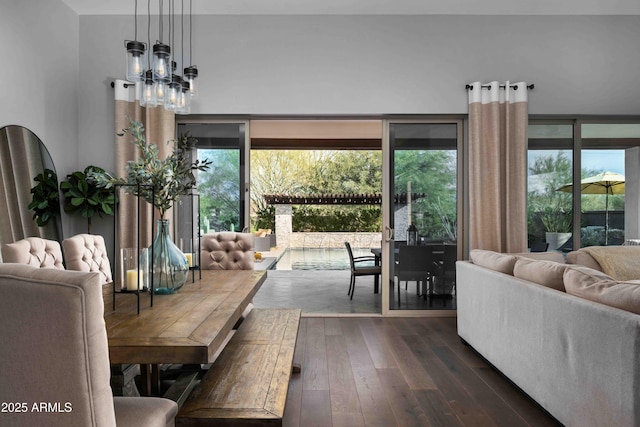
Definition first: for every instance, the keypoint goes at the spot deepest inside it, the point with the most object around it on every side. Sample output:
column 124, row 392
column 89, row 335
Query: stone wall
column 333, row 240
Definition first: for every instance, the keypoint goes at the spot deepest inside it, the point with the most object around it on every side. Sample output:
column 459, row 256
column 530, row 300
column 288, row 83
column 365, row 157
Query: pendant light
column 191, row 72
column 158, row 84
column 161, row 54
column 148, row 96
column 135, row 53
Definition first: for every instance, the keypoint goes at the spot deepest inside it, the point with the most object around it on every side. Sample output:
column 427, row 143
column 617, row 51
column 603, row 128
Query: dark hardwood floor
column 399, row 372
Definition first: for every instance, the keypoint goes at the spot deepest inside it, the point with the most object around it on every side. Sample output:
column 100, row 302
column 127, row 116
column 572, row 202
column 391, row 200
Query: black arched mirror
column 23, row 156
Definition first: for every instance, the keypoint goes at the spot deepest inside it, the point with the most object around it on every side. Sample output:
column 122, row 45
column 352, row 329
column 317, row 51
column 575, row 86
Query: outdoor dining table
column 188, row 327
column 377, row 253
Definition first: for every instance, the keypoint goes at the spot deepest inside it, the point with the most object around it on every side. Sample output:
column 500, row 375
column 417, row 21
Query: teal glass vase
column 170, row 267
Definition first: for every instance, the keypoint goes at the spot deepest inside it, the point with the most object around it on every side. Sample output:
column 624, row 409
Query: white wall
column 375, row 65
column 39, row 76
column 310, row 65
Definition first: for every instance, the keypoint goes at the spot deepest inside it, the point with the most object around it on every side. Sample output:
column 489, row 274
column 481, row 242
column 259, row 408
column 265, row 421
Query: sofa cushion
column 545, row 273
column 493, row 260
column 546, row 256
column 583, row 258
column 595, row 286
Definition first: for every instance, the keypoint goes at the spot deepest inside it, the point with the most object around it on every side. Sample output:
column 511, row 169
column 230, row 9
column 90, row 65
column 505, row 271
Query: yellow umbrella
column 603, row 183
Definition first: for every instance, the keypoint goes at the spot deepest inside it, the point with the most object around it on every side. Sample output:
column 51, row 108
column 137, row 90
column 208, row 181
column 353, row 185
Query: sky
column 599, row 160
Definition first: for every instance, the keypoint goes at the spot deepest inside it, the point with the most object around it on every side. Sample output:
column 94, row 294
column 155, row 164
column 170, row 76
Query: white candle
column 189, row 259
column 132, row 280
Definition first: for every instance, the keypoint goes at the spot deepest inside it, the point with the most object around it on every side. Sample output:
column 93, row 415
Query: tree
column 432, row 173
column 219, row 189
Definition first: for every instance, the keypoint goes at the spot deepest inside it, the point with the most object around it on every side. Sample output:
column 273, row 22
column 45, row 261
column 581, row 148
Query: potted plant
column 45, row 202
column 83, row 194
column 162, row 183
column 557, row 224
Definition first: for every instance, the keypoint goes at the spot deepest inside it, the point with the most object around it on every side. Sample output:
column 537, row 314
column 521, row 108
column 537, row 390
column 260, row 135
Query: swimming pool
column 318, row 258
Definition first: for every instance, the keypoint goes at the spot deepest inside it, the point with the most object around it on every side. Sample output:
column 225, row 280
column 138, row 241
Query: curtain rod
column 126, row 85
column 488, row 86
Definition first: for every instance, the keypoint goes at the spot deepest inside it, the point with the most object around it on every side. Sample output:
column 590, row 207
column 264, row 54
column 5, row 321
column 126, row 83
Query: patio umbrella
column 603, row 183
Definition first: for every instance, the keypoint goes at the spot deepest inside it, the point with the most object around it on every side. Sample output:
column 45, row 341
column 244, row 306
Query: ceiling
column 367, row 7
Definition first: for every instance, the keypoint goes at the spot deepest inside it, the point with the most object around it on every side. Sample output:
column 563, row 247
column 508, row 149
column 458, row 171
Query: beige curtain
column 498, row 166
column 20, row 161
column 159, row 128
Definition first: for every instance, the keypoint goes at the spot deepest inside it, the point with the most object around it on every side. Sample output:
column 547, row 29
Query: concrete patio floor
column 320, row 292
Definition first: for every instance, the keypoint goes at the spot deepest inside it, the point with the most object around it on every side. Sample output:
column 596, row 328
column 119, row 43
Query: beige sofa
column 579, row 359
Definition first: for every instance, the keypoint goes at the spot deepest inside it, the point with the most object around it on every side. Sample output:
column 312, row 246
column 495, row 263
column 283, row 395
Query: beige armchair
column 87, row 252
column 35, row 251
column 227, row 250
column 55, row 354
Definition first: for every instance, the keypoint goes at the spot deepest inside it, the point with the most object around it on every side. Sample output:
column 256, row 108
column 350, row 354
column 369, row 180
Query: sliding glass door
column 222, row 188
column 420, row 244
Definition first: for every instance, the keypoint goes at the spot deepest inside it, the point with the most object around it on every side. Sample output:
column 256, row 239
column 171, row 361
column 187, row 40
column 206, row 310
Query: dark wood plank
column 381, row 353
column 332, row 326
column 501, row 413
column 373, row 400
column 406, row 408
column 293, row 408
column 314, row 372
column 317, row 408
column 437, row 409
column 344, row 395
column 528, row 409
column 414, row 373
column 464, row 406
column 453, row 396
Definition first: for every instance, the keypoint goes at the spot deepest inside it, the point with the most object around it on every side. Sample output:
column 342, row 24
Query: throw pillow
column 545, row 273
column 598, row 287
column 493, row 260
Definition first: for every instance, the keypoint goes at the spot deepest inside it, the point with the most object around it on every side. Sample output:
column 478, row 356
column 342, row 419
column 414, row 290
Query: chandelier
column 154, row 72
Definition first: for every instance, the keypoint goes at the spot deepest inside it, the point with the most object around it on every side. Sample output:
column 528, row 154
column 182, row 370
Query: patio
column 325, row 292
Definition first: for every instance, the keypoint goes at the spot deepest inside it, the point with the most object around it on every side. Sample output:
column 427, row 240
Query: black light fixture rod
column 149, row 33
column 135, row 21
column 488, row 86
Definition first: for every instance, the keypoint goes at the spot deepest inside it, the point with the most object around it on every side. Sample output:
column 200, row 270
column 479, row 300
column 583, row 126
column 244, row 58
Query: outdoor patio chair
column 416, row 264
column 357, row 269
column 445, row 279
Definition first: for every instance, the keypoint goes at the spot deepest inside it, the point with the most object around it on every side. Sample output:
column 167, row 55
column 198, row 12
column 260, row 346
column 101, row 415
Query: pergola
column 336, row 199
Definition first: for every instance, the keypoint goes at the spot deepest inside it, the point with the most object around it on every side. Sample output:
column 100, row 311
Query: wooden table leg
column 150, row 379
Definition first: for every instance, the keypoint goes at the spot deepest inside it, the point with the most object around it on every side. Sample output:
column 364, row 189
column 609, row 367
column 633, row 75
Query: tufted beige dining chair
column 34, row 251
column 87, row 252
column 55, row 352
column 227, row 250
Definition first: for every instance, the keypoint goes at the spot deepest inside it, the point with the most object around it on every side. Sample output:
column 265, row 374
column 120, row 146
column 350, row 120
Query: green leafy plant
column 83, row 193
column 45, row 202
column 162, row 181
column 556, row 220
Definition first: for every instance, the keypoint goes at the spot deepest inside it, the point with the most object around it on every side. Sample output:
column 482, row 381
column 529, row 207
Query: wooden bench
column 248, row 383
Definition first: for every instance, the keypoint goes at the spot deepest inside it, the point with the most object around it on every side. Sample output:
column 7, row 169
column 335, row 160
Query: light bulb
column 135, row 52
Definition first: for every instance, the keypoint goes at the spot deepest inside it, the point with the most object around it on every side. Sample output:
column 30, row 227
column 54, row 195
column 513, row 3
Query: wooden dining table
column 188, row 327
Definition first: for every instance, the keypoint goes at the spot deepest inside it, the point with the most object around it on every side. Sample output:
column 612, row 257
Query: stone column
column 284, row 225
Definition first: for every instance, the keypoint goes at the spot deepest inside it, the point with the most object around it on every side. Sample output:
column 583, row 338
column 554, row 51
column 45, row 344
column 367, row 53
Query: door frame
column 245, row 173
column 387, row 205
